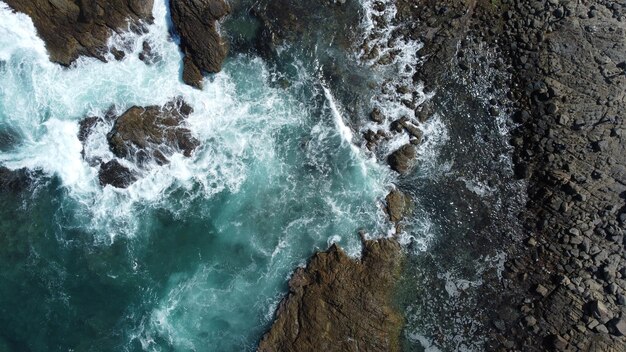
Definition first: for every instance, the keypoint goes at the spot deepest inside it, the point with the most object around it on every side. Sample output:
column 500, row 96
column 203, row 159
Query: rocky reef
column 340, row 304
column 74, row 28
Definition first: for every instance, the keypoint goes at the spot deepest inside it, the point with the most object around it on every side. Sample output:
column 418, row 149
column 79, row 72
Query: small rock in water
column 398, row 205
column 377, row 116
column 403, row 159
column 115, row 174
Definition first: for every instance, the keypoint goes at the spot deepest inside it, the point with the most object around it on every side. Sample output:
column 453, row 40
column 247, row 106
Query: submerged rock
column 195, row 24
column 73, row 28
column 340, row 304
column 403, row 159
column 115, row 174
column 14, row 181
column 153, row 132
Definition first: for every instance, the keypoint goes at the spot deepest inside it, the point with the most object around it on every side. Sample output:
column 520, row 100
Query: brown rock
column 204, row 49
column 73, row 28
column 340, row 304
column 403, row 159
column 157, row 132
column 398, row 205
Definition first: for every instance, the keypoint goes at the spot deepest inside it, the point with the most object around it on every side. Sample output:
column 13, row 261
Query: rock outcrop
column 195, row 22
column 141, row 135
column 340, row 304
column 72, row 28
column 152, row 133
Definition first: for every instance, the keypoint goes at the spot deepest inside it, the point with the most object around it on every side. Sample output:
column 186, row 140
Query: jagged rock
column 398, row 205
column 340, row 304
column 599, row 311
column 403, row 159
column 203, row 47
column 140, row 134
column 618, row 327
column 73, row 28
column 115, row 174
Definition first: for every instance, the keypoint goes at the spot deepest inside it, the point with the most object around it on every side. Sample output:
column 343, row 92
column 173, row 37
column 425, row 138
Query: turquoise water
column 195, row 255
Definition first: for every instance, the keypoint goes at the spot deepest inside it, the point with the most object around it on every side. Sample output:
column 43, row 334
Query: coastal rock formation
column 141, row 135
column 153, row 132
column 73, row 28
column 195, row 23
column 340, row 304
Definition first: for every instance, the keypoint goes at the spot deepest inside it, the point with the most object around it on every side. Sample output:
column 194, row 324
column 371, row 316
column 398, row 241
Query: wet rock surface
column 115, row 174
column 74, row 28
column 195, row 22
column 340, row 304
column 403, row 159
column 142, row 136
column 153, row 132
column 398, row 205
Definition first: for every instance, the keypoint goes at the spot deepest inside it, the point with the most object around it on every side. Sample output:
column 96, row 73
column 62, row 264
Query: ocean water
column 196, row 254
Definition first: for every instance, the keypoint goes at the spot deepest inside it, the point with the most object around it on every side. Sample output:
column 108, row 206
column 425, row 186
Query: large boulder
column 195, row 22
column 340, row 304
column 152, row 133
column 71, row 28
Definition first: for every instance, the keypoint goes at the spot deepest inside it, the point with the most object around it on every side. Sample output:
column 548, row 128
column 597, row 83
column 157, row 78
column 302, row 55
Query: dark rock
column 599, row 311
column 542, row 290
column 403, row 159
column 152, row 132
column 85, row 126
column 195, row 24
column 377, row 116
column 14, row 181
column 336, row 303
column 115, row 174
column 558, row 343
column 618, row 327
column 73, row 28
